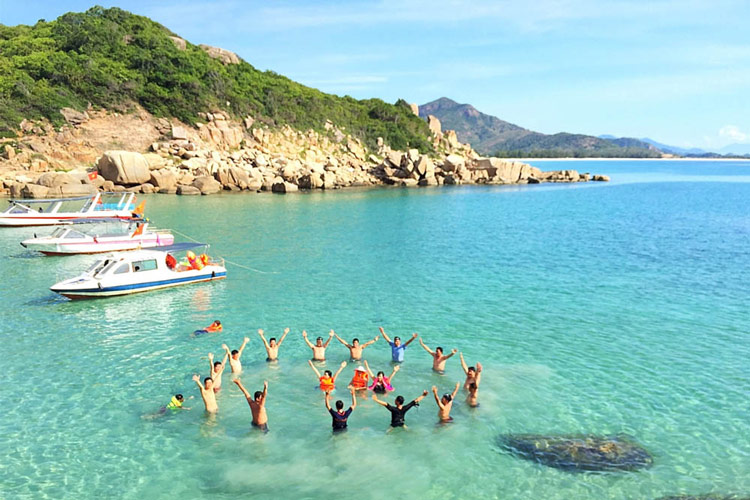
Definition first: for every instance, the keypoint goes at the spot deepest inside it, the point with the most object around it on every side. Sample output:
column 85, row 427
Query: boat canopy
column 178, row 247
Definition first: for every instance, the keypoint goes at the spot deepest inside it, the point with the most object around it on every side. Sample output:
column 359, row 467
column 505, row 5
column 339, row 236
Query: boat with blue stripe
column 142, row 271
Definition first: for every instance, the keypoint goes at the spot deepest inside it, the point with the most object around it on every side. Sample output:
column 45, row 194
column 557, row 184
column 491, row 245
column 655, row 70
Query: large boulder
column 223, row 55
column 124, row 167
column 74, row 117
column 179, row 42
column 54, row 179
column 163, row 178
column 34, row 191
column 187, row 190
column 207, row 184
column 281, row 186
column 66, row 190
column 578, row 452
column 453, row 163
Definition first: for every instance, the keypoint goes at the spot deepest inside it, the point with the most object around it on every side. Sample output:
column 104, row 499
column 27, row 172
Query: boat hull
column 77, row 293
column 23, row 220
column 61, row 247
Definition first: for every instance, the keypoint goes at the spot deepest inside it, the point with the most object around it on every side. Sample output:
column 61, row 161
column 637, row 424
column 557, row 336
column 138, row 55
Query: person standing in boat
column 355, row 348
column 438, row 359
column 272, row 347
column 319, row 348
column 397, row 348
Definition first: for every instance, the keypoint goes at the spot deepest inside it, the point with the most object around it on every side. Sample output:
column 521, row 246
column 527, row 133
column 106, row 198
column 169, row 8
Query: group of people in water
column 364, row 380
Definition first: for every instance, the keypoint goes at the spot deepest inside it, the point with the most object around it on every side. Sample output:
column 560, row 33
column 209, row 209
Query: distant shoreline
column 528, row 160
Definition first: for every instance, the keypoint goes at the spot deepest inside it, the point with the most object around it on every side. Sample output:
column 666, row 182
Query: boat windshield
column 106, row 268
column 57, row 233
column 74, row 234
column 15, row 208
column 97, row 266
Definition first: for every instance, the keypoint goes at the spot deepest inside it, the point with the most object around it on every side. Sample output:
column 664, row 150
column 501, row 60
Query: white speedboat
column 99, row 238
column 51, row 212
column 141, row 271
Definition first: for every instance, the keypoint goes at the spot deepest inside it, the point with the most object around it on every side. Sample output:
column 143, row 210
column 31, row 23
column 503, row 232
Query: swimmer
column 359, row 381
column 217, row 369
column 339, row 417
column 397, row 348
column 438, row 360
column 472, row 374
column 471, row 397
column 207, row 393
column 445, row 404
column 213, row 327
column 355, row 348
column 319, row 349
column 380, row 383
column 176, row 403
column 234, row 357
column 272, row 347
column 398, row 412
column 257, row 405
column 328, row 380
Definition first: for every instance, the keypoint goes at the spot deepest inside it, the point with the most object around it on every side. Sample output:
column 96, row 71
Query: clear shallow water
column 596, row 308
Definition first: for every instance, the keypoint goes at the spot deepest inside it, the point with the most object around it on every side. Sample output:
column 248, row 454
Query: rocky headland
column 138, row 152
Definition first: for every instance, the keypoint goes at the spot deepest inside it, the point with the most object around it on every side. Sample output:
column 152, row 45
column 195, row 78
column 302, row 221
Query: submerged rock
column 578, row 452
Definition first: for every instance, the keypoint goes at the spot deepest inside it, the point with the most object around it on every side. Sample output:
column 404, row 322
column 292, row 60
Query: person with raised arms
column 257, row 405
column 397, row 348
column 340, row 417
column 234, row 357
column 272, row 347
column 217, row 369
column 380, row 383
column 438, row 360
column 445, row 404
column 207, row 393
column 327, row 380
column 398, row 412
column 473, row 376
column 319, row 348
column 355, row 348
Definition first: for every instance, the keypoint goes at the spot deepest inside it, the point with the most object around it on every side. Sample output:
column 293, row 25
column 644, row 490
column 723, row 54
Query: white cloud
column 734, row 133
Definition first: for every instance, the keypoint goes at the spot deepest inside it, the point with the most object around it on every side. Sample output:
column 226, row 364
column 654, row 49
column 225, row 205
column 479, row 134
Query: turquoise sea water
column 599, row 308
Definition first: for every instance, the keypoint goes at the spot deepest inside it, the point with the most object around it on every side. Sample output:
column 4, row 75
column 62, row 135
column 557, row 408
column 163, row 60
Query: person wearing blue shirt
column 397, row 348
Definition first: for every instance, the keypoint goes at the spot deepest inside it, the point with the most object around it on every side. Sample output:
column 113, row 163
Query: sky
column 676, row 71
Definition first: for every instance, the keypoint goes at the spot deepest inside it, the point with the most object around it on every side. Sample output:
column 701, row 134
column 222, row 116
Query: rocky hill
column 112, row 59
column 490, row 135
column 118, row 95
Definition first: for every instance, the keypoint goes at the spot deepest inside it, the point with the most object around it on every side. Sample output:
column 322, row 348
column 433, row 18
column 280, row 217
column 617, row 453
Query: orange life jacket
column 326, row 384
column 359, row 381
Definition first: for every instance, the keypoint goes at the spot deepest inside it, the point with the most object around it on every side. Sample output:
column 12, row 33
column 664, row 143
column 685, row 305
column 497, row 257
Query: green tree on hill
column 112, row 59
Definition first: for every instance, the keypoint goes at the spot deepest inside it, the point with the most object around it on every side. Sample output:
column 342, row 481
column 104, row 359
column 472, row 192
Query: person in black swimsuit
column 398, row 412
column 339, row 416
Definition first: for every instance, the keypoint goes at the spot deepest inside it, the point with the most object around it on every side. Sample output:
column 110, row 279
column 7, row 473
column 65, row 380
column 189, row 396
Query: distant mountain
column 736, row 149
column 490, row 135
column 674, row 149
